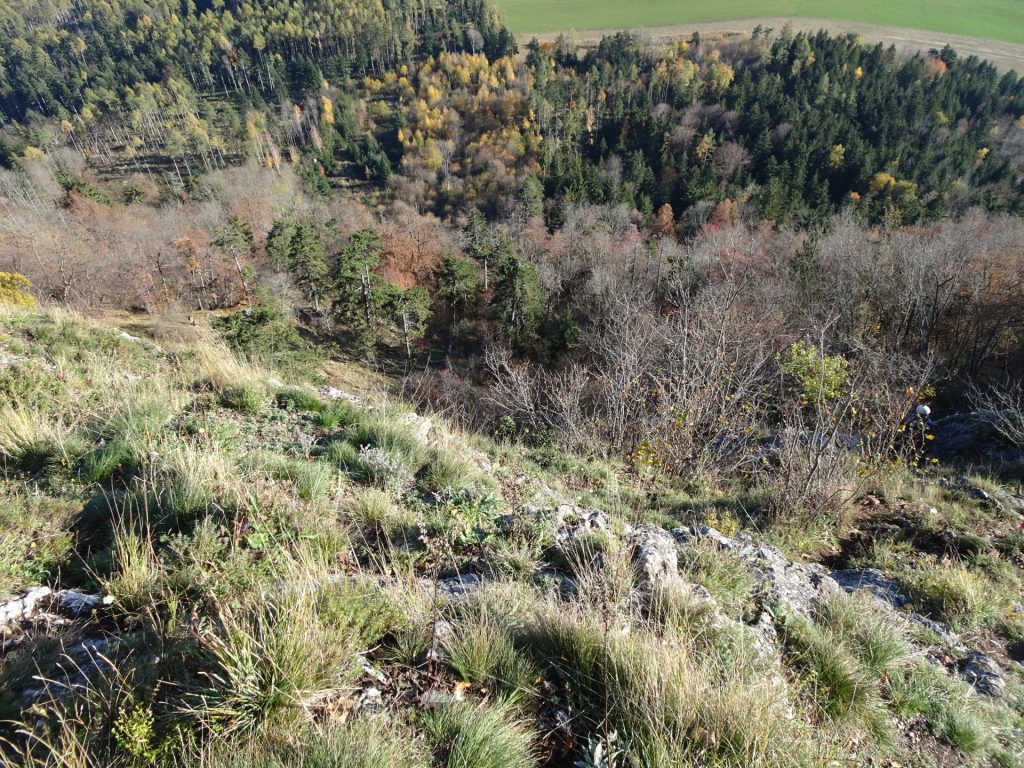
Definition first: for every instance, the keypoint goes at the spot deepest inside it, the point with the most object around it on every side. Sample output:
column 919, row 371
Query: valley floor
column 908, row 41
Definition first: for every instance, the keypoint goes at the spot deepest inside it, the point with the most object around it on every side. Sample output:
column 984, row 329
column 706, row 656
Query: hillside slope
column 251, row 572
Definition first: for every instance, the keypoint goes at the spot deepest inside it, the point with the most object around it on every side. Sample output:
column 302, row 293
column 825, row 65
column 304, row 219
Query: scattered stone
column 480, row 459
column 947, row 637
column 80, row 663
column 370, row 698
column 43, row 606
column 22, row 608
column 435, row 698
column 371, row 672
column 653, row 551
column 76, row 605
column 331, row 393
column 460, row 585
column 1009, row 502
column 981, row 671
column 421, row 425
column 874, row 582
column 691, row 533
column 7, row 360
column 544, row 493
column 999, row 501
column 571, row 522
column 441, row 640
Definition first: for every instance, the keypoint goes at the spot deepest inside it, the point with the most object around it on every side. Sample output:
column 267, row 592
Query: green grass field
column 993, row 19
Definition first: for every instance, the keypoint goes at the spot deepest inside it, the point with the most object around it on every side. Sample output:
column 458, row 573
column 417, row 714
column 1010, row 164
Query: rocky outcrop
column 970, row 436
column 571, row 522
column 654, row 552
column 800, row 587
column 80, row 664
column 20, row 609
column 872, row 581
column 38, row 601
column 997, row 499
column 981, row 671
column 780, row 581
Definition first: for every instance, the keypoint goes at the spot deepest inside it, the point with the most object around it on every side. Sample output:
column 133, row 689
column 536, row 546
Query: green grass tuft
column 483, row 653
column 479, row 736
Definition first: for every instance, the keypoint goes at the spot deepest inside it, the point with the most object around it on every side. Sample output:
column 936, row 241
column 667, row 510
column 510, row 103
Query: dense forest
column 797, row 126
column 68, row 59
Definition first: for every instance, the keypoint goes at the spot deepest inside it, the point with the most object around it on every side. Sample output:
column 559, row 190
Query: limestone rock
column 653, row 551
column 873, row 581
column 572, row 521
column 460, row 585
column 75, row 605
column 25, row 607
column 982, row 672
column 420, row 425
column 797, row 586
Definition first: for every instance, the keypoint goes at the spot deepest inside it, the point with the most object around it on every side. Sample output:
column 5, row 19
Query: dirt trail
column 1004, row 56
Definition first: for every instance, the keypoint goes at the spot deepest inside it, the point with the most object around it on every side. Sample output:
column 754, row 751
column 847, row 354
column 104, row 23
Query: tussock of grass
column 515, row 558
column 190, row 481
column 345, row 456
column 113, row 457
column 240, row 386
column 266, row 659
column 387, row 432
column 947, row 704
column 444, row 471
column 841, row 689
column 726, row 578
column 676, row 608
column 605, row 579
column 483, row 653
column 378, row 448
column 34, row 538
column 136, row 577
column 478, row 736
column 312, row 479
column 337, row 414
column 955, row 594
column 363, row 743
column 877, row 638
column 29, row 439
column 299, row 399
column 360, row 610
column 668, row 705
column 375, row 509
column 131, row 433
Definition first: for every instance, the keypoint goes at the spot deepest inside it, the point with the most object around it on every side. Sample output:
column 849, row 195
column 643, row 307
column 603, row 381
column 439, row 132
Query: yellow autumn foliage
column 15, row 291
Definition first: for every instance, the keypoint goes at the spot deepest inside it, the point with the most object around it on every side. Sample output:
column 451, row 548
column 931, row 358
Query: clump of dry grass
column 29, row 439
